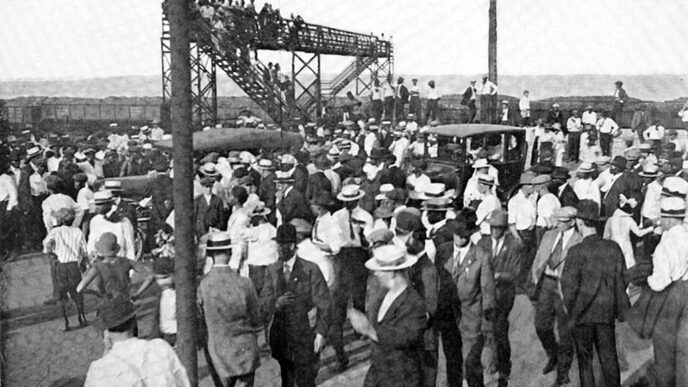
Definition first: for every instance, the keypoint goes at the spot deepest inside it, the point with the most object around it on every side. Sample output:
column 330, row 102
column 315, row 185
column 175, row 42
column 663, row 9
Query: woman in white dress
column 620, row 225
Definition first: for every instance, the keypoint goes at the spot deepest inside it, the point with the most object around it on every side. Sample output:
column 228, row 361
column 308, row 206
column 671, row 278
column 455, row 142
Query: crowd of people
column 351, row 227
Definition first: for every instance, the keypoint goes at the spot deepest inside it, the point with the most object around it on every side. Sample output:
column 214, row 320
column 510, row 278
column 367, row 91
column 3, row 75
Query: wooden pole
column 182, row 145
column 492, row 55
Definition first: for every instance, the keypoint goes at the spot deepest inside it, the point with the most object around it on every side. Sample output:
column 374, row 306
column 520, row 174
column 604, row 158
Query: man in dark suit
column 123, row 209
column 393, row 174
column 472, row 276
column 555, row 116
column 626, row 182
column 401, row 99
column 469, row 96
column 162, row 200
column 294, row 290
column 620, row 98
column 292, row 204
column 562, row 189
column 506, row 260
column 595, row 296
column 29, row 210
column 298, row 172
column 549, row 306
column 318, row 183
column 209, row 210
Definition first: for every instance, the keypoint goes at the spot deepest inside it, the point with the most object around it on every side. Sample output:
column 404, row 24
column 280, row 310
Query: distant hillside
column 645, row 87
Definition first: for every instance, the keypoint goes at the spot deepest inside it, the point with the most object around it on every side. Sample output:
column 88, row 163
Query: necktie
column 352, row 234
column 495, row 250
column 287, row 272
column 457, row 261
column 555, row 257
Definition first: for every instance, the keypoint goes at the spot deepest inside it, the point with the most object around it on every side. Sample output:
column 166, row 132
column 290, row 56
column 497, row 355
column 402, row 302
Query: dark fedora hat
column 115, row 311
column 461, row 227
column 286, row 233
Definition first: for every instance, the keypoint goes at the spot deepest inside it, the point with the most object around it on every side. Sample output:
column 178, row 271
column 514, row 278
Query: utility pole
column 182, row 145
column 492, row 55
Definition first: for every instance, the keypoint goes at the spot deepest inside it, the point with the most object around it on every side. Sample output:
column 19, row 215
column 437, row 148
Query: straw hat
column 673, row 207
column 350, row 193
column 218, row 241
column 103, row 197
column 390, row 258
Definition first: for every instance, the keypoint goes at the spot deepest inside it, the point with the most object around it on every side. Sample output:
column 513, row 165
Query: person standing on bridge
column 388, row 97
column 432, row 107
column 414, row 101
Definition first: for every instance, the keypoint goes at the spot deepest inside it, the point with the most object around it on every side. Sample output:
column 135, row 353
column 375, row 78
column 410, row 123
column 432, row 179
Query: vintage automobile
column 458, row 146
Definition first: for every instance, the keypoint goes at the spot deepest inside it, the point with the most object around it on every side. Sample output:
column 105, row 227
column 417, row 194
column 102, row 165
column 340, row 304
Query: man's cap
column 526, row 178
column 561, row 173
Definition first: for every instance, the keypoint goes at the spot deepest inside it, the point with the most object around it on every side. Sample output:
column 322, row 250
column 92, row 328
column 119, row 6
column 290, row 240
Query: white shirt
column 522, row 211
column 387, row 90
column 433, row 94
column 489, row 204
column 488, row 88
column 589, row 117
column 574, row 124
column 460, row 254
column 262, row 249
column 37, row 183
column 156, row 134
column 524, row 106
column 361, row 220
column 398, row 149
column 654, row 132
column 670, row 259
column 168, row 314
column 604, row 178
column 85, row 200
column 56, row 202
column 123, row 230
column 8, row 191
column 369, row 143
column 683, row 114
column 138, row 363
column 325, row 232
column 310, row 252
column 418, row 182
column 376, row 93
column 607, row 126
column 545, row 209
column 651, row 204
column 587, row 189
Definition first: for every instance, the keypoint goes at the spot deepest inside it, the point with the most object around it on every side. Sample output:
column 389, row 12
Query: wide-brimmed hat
column 588, row 210
column 561, row 173
column 208, row 170
column 408, row 221
column 632, row 154
column 219, row 241
column 282, row 177
column 265, row 164
column 377, row 154
column 112, row 185
column 106, row 245
column 498, row 218
column 673, row 207
column 480, row 163
column 390, row 258
column 322, row 199
column 381, row 235
column 603, row 161
column 585, row 167
column 649, row 170
column 350, row 193
column 526, row 178
column 302, row 226
column 103, row 197
column 33, row 152
column 542, row 179
column 435, row 190
column 674, row 186
column 286, row 233
column 384, row 190
column 564, row 214
column 437, row 204
column 259, row 209
column 488, row 180
column 115, row 311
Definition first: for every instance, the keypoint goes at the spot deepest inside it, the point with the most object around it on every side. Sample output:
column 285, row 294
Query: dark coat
column 291, row 335
column 393, row 175
column 592, row 282
column 266, row 193
column 24, row 198
column 568, row 197
column 208, row 215
column 467, row 95
column 301, row 178
column 475, row 289
column 509, row 261
column 425, row 280
column 557, row 117
column 318, row 183
column 395, row 357
column 231, row 310
column 294, row 206
column 628, row 184
column 127, row 210
column 160, row 190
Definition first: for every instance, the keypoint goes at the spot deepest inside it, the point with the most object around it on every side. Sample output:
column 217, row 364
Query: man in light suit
column 470, row 268
column 294, row 290
column 545, row 274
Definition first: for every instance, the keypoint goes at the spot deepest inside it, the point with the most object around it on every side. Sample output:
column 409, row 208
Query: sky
column 102, row 38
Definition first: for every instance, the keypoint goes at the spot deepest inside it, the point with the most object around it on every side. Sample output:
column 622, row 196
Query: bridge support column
column 306, row 81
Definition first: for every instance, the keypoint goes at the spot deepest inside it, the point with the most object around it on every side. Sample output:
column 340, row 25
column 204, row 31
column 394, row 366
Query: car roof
column 467, row 130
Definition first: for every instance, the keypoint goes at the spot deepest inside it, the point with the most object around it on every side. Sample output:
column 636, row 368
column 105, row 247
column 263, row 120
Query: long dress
column 618, row 228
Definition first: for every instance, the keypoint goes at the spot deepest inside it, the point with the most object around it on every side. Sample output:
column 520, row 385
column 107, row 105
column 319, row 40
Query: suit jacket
column 208, row 215
column 508, row 263
column 291, row 335
column 568, row 197
column 640, row 120
column 545, row 250
column 628, row 184
column 467, row 96
column 231, row 310
column 592, row 282
column 126, row 210
column 403, row 94
column 300, row 176
column 393, row 175
column 318, row 183
column 474, row 284
column 24, row 198
column 425, row 280
column 293, row 206
column 160, row 190
column 266, row 193
column 395, row 357
column 557, row 118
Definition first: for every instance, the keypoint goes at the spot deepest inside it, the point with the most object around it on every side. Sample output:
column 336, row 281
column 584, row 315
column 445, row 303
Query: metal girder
column 380, row 69
column 203, row 81
column 305, row 69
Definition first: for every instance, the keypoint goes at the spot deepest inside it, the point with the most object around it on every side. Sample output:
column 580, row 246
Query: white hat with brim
column 113, row 185
column 435, row 190
column 103, row 197
column 673, row 207
column 390, row 258
column 585, row 167
column 384, row 189
column 480, row 163
column 350, row 193
column 208, row 170
column 265, row 164
column 649, row 170
column 219, row 241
